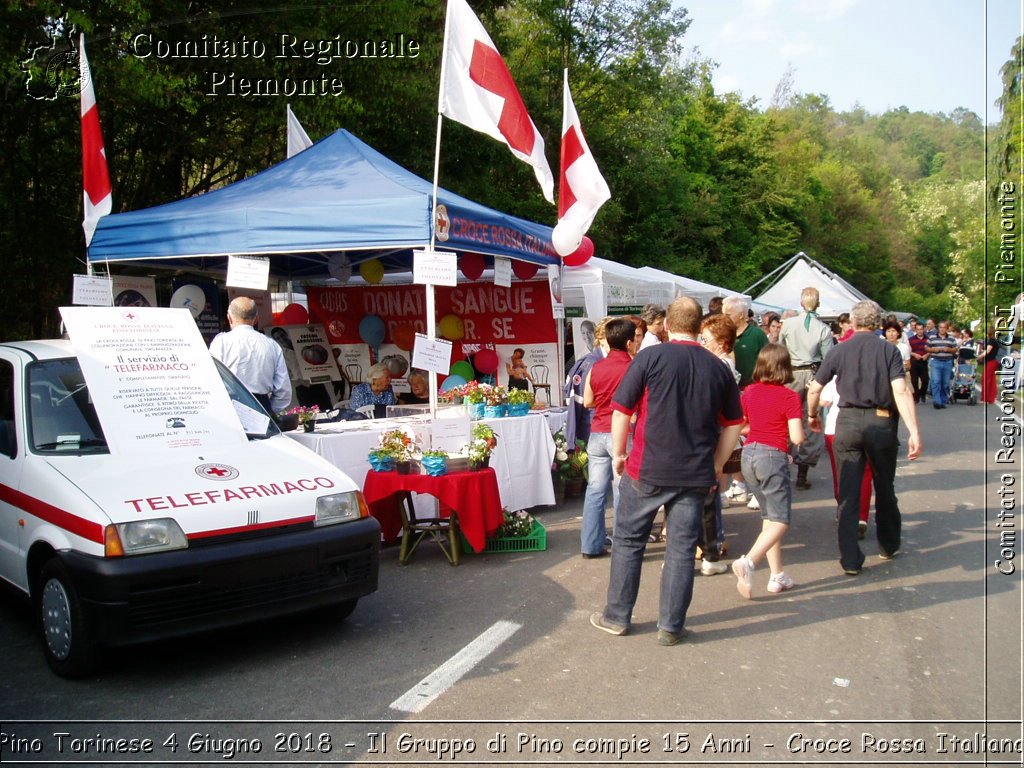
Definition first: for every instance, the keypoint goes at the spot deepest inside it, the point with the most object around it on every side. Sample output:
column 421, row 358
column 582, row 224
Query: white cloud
column 799, row 50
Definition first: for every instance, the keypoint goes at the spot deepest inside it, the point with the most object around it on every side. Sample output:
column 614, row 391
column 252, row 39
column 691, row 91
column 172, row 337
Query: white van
column 117, row 549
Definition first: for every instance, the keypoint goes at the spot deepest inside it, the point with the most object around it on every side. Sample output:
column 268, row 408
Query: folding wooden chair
column 415, row 529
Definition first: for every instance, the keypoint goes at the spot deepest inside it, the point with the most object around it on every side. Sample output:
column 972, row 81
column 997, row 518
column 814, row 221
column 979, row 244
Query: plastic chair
column 540, row 381
column 416, row 529
column 369, row 411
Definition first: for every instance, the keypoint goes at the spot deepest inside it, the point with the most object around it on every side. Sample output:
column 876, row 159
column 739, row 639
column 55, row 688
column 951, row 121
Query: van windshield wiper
column 69, row 444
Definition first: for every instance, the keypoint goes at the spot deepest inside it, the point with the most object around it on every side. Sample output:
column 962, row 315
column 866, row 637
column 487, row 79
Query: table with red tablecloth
column 473, row 495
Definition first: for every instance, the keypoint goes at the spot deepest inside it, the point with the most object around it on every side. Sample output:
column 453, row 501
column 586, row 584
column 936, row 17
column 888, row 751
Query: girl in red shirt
column 774, row 420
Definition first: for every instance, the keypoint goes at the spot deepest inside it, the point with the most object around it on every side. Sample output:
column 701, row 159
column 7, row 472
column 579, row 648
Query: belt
column 808, row 367
column 885, row 413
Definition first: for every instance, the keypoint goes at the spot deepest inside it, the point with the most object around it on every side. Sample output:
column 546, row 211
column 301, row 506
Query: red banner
column 490, row 314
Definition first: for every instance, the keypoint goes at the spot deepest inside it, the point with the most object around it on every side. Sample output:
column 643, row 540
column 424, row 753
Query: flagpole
column 430, row 290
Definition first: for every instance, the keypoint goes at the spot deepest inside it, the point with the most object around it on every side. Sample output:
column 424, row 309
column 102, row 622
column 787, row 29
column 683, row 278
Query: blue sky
column 928, row 55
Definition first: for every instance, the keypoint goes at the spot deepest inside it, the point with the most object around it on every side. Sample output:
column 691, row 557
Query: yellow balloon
column 372, row 271
column 451, row 327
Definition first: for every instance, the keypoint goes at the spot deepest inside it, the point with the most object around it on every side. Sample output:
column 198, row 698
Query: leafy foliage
column 703, row 184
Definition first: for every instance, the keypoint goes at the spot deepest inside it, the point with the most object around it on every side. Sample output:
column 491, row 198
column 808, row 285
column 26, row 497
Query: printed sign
column 92, row 291
column 152, row 380
column 248, row 272
column 134, row 291
column 311, row 358
column 503, row 271
column 432, row 354
column 435, row 268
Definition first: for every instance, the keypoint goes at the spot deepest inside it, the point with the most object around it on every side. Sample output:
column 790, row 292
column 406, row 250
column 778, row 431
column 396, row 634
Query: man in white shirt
column 654, row 316
column 256, row 360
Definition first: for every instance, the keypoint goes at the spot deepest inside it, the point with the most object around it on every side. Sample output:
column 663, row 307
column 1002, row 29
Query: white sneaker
column 734, row 490
column 741, row 498
column 753, row 503
column 780, row 582
column 744, row 570
column 708, row 568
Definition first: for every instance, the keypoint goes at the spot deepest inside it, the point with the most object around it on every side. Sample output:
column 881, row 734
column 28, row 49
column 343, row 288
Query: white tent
column 837, row 295
column 600, row 284
column 687, row 286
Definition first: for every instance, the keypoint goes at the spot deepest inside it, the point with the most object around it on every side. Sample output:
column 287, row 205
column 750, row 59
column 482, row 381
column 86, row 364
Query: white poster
column 529, row 366
column 353, row 360
column 311, row 358
column 432, row 354
column 251, row 272
column 583, row 340
column 152, row 380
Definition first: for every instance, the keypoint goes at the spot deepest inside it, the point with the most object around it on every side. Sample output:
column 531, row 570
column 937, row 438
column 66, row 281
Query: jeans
column 942, row 376
column 639, row 502
column 600, row 481
column 766, row 472
column 862, row 436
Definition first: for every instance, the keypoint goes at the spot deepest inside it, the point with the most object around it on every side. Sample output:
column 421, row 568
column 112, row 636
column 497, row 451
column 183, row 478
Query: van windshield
column 62, row 417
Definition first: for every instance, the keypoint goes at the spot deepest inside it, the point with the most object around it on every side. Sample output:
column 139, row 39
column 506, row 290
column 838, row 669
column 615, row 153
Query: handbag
column 733, row 463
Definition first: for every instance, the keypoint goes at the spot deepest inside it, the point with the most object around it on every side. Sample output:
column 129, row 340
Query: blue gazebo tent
column 339, row 196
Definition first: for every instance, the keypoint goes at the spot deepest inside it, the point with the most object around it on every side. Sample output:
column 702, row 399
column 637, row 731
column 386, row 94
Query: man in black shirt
column 873, row 395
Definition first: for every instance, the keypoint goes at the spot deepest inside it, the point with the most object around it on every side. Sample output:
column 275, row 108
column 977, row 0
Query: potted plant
column 569, row 468
column 435, row 462
column 306, row 416
column 482, row 442
column 473, row 397
column 495, row 401
column 393, row 450
column 520, row 401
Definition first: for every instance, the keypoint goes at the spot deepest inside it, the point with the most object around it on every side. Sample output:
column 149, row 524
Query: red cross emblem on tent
column 442, row 224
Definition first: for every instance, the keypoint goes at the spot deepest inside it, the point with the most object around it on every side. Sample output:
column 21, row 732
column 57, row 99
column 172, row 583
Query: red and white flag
column 95, row 176
column 582, row 189
column 477, row 90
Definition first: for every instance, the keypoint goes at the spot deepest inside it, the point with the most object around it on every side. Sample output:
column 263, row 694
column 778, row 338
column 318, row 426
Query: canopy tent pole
column 750, row 290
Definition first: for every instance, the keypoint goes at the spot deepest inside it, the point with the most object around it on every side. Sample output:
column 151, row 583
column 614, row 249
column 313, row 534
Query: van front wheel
column 70, row 650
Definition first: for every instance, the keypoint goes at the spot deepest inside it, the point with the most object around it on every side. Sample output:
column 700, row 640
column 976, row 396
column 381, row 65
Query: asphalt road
column 908, row 662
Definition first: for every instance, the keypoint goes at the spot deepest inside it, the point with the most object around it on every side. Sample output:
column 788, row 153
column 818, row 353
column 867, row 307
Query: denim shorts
column 766, row 473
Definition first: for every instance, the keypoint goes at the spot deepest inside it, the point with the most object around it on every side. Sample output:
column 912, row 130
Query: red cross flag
column 581, row 189
column 95, row 176
column 478, row 90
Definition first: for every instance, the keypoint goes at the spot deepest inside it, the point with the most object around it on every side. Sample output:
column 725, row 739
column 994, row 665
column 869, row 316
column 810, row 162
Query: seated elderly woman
column 376, row 391
column 419, row 389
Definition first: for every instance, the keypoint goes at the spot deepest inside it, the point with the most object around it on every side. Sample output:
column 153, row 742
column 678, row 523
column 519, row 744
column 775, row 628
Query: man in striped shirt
column 942, row 350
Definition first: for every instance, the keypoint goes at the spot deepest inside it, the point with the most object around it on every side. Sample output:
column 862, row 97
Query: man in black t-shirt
column 874, row 395
column 688, row 419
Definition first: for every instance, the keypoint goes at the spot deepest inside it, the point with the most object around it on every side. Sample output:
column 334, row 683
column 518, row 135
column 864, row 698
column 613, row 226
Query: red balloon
column 404, row 336
column 524, row 270
column 581, row 255
column 294, row 314
column 472, row 265
column 276, row 318
column 486, row 361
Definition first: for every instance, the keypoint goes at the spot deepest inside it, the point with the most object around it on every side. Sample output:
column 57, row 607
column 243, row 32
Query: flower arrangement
column 521, row 397
column 494, row 394
column 471, row 392
column 482, row 442
column 306, row 414
column 395, row 444
column 435, row 453
column 569, row 464
column 517, row 523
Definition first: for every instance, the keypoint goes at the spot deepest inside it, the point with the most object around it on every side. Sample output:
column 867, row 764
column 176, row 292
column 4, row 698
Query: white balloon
column 566, row 238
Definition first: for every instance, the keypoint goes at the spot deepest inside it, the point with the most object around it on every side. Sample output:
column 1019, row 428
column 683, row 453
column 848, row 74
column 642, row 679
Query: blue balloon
column 451, row 382
column 371, row 330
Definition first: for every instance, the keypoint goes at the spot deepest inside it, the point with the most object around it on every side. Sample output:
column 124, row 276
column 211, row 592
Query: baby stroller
column 961, row 387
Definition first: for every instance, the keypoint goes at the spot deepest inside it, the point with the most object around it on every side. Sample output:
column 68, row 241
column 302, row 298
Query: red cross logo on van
column 216, row 471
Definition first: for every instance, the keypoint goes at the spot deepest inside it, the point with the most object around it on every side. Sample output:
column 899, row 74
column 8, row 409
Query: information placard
column 92, row 291
column 435, row 268
column 248, row 272
column 432, row 354
column 152, row 379
column 503, row 271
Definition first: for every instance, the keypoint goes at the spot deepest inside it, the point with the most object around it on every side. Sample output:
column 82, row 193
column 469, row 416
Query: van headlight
column 141, row 537
column 340, row 508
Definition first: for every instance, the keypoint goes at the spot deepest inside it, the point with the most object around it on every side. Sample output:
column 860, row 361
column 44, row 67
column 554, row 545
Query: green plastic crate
column 535, row 541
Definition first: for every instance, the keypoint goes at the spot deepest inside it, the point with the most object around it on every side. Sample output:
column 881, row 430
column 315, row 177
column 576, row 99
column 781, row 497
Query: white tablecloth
column 522, row 459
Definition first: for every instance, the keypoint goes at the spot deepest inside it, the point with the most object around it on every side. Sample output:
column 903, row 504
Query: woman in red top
column 774, row 420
